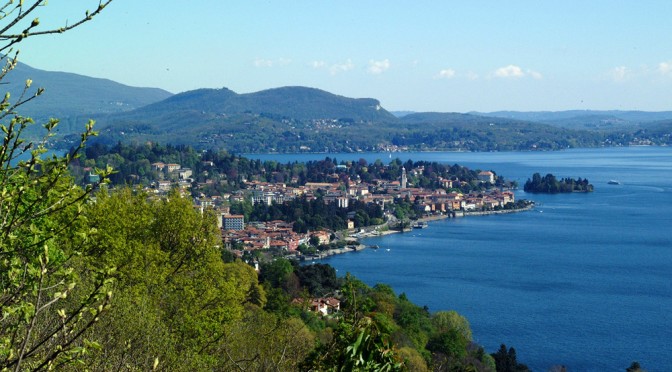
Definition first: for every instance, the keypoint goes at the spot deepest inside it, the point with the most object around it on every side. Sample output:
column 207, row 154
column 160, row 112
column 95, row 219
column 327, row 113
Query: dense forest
column 551, row 185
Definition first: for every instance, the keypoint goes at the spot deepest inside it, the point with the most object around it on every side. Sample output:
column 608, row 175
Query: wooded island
column 549, row 184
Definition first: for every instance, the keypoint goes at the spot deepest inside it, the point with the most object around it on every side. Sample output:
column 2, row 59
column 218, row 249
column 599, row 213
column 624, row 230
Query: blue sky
column 448, row 56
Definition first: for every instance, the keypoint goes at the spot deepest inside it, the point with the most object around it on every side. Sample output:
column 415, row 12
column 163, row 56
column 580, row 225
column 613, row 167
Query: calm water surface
column 584, row 280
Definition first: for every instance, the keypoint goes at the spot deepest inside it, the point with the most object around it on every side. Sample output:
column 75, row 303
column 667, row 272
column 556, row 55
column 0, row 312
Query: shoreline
column 361, row 246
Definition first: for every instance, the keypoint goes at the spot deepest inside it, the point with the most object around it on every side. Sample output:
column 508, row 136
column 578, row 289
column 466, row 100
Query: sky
column 445, row 56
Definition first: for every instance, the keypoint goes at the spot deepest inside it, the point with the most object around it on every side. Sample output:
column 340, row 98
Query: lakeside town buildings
column 279, row 236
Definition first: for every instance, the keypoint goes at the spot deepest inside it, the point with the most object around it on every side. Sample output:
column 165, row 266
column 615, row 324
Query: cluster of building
column 279, row 235
column 274, row 235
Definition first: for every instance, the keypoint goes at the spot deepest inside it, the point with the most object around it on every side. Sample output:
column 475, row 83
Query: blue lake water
column 584, row 280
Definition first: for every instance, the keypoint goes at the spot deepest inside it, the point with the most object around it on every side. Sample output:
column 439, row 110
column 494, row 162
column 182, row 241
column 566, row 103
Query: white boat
column 420, row 225
column 614, row 182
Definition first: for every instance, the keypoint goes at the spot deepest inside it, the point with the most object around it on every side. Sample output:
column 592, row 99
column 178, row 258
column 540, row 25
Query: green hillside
column 70, row 95
column 296, row 119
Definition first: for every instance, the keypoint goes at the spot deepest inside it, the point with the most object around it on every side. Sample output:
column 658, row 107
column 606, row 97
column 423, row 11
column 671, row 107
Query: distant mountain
column 456, row 118
column 400, row 114
column 586, row 119
column 285, row 118
column 299, row 103
column 294, row 119
column 68, row 94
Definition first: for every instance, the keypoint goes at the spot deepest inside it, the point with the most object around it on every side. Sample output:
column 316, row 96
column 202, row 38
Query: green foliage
column 49, row 296
column 551, row 185
column 262, row 342
column 319, row 279
column 445, row 321
column 172, row 276
column 357, row 344
column 298, row 119
column 413, row 360
column 506, row 361
column 634, row 367
column 276, row 272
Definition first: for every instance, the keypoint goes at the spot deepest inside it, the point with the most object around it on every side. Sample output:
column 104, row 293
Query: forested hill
column 300, row 103
column 587, row 119
column 68, row 94
column 298, row 119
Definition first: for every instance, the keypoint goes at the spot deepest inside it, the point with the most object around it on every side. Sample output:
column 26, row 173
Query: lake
column 583, row 280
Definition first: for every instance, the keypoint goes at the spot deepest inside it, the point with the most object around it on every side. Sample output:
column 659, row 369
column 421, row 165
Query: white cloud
column 510, row 71
column 665, row 68
column 341, row 67
column 260, row 62
column 619, row 73
column 447, row 73
column 266, row 63
column 534, row 74
column 318, row 64
column 516, row 72
column 378, row 67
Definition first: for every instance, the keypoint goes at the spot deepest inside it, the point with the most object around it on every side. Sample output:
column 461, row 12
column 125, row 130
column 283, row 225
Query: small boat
column 420, row 225
column 614, row 182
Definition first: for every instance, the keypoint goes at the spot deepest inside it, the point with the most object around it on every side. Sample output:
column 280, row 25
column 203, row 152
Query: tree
column 47, row 302
column 176, row 295
column 634, row 367
column 445, row 321
column 357, row 343
column 506, row 361
column 286, row 342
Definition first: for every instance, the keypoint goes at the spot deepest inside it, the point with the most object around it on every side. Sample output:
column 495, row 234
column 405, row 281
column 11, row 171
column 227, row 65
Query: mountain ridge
column 68, row 94
column 294, row 102
column 296, row 118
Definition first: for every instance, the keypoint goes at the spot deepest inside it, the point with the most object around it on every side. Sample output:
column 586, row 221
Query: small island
column 549, row 184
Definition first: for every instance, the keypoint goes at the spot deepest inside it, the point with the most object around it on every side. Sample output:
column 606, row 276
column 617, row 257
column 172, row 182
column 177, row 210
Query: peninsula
column 268, row 209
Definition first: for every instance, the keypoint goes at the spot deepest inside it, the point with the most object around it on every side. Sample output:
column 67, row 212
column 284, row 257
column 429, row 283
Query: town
column 256, row 203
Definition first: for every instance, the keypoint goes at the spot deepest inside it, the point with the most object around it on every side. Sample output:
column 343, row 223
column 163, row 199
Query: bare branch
column 17, row 38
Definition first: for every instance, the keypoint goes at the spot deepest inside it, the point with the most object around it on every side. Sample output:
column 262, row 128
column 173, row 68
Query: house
column 184, row 173
column 172, row 167
column 322, row 236
column 423, row 208
column 446, row 183
column 158, row 166
column 486, row 176
column 509, row 197
column 323, row 306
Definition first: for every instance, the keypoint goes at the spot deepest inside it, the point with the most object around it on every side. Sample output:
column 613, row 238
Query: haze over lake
column 582, row 281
